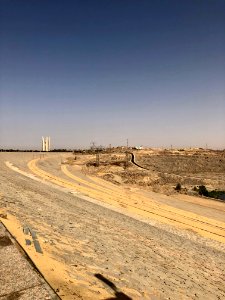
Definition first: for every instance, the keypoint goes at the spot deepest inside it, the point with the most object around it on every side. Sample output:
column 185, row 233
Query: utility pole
column 109, row 148
column 126, row 159
column 93, row 146
column 97, row 159
column 127, row 144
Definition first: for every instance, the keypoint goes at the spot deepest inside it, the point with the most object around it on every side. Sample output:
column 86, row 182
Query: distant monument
column 46, row 144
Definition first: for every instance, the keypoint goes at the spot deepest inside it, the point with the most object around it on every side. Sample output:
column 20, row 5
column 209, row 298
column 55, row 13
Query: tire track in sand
column 206, row 227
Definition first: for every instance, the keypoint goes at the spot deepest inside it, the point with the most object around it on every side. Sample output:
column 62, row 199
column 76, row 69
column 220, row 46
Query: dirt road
column 144, row 257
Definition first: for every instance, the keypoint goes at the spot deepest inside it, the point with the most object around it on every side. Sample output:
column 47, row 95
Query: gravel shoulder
column 18, row 277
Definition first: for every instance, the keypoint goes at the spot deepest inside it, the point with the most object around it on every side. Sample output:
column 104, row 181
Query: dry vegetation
column 162, row 169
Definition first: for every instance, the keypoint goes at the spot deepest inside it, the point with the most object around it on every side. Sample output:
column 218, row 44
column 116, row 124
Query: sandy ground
column 148, row 246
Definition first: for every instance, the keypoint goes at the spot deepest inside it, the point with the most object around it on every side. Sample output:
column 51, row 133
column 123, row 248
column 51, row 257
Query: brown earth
column 163, row 170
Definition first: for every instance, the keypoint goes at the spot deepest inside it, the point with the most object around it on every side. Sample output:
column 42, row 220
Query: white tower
column 43, row 144
column 46, row 144
column 49, row 143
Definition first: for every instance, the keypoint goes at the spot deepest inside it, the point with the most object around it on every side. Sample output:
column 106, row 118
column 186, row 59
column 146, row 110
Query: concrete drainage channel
column 19, row 277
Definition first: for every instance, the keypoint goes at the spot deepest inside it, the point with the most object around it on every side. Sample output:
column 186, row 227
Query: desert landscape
column 114, row 226
column 112, row 153
column 161, row 170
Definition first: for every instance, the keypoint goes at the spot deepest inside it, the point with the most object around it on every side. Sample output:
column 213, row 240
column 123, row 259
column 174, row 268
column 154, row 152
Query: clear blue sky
column 108, row 70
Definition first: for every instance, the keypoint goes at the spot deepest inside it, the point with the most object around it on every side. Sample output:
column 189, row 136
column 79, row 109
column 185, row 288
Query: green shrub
column 203, row 191
column 217, row 194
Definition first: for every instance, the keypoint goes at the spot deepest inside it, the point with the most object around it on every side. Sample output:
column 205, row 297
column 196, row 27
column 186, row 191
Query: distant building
column 46, row 144
column 139, row 147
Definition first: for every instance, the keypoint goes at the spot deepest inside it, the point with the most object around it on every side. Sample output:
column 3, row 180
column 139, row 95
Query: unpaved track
column 86, row 238
column 136, row 203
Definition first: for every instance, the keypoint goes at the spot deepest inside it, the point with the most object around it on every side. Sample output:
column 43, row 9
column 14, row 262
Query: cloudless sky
column 108, row 70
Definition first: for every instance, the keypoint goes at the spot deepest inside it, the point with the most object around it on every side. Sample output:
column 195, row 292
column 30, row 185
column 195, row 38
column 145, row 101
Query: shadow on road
column 118, row 295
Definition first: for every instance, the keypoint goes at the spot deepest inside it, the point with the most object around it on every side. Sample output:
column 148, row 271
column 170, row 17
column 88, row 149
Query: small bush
column 203, row 191
column 178, row 187
column 217, row 194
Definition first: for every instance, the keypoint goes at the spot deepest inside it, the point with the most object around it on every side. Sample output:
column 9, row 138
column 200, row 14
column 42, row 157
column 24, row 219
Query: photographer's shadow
column 117, row 294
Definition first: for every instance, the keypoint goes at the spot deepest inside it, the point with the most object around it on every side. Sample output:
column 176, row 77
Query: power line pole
column 93, row 146
column 126, row 159
column 97, row 159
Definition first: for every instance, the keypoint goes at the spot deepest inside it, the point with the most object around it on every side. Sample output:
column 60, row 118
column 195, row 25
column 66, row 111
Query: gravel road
column 142, row 261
